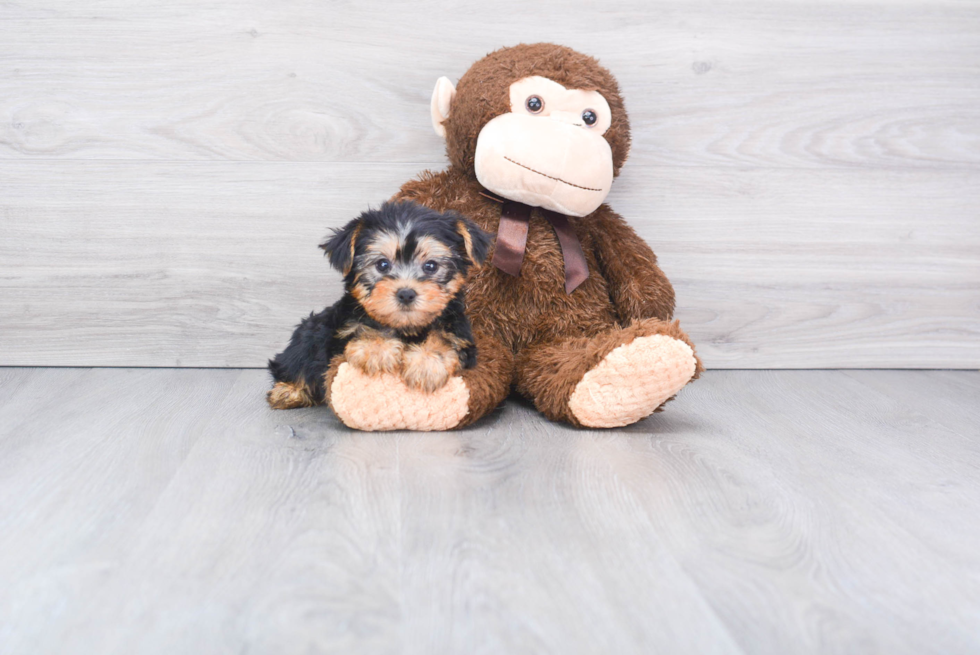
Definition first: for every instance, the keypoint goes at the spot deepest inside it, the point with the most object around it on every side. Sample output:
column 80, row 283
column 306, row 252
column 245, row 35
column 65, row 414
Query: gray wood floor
column 169, row 511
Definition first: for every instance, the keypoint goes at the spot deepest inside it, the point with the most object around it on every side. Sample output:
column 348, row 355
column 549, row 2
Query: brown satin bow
column 512, row 239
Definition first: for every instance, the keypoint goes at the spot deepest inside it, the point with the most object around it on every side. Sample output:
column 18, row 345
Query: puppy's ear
column 339, row 247
column 475, row 240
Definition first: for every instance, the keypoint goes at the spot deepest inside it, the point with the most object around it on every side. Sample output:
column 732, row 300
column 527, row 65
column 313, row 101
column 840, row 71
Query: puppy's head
column 404, row 262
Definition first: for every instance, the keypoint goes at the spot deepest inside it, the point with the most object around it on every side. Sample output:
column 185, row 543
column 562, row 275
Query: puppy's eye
column 383, row 266
column 534, row 104
column 430, row 266
column 589, row 117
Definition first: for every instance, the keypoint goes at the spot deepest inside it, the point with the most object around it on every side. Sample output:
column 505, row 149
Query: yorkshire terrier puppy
column 403, row 310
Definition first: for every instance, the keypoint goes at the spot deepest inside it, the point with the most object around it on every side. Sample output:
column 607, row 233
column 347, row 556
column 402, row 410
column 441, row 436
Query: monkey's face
column 548, row 150
column 537, row 123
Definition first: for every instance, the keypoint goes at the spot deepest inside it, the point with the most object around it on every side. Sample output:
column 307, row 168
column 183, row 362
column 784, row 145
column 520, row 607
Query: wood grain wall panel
column 811, row 84
column 211, row 263
column 807, row 171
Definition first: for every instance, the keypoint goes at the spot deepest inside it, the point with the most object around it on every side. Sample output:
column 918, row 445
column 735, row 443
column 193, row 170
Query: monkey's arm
column 637, row 286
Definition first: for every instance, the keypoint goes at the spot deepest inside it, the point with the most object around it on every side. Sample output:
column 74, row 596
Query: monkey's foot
column 384, row 402
column 632, row 381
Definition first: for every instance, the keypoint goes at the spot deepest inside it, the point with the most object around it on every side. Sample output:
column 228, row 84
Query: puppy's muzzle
column 406, row 296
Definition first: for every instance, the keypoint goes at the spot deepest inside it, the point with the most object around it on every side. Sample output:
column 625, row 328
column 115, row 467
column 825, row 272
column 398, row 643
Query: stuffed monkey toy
column 572, row 309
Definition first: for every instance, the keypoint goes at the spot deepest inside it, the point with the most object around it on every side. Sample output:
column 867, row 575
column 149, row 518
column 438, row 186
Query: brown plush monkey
column 573, row 309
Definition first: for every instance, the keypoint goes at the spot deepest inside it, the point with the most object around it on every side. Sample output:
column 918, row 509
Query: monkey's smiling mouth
column 550, row 177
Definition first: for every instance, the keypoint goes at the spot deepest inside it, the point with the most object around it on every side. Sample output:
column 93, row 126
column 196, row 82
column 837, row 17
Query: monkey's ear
column 475, row 240
column 339, row 247
column 442, row 100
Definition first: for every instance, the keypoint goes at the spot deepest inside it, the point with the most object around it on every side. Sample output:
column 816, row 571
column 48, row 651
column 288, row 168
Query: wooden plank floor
column 169, row 511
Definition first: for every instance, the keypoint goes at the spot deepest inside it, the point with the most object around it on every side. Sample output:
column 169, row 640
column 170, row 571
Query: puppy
column 403, row 310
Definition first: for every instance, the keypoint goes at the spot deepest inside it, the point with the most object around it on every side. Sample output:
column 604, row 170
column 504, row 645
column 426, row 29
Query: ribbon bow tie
column 512, row 239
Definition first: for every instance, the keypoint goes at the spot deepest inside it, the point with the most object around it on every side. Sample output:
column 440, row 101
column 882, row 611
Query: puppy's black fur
column 382, row 253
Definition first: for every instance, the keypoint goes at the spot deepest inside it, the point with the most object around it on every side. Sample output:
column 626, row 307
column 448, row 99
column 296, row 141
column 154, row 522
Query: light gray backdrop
column 808, row 172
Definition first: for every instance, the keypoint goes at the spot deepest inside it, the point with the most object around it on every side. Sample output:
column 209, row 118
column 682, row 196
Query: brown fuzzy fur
column 529, row 332
column 483, row 93
column 549, row 372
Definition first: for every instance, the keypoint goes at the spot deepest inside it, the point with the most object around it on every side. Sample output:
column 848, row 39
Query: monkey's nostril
column 406, row 296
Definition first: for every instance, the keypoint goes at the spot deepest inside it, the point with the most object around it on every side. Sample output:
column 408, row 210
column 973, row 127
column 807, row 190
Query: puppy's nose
column 406, row 296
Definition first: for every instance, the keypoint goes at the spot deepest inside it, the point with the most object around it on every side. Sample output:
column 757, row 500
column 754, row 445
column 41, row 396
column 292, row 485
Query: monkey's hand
column 639, row 289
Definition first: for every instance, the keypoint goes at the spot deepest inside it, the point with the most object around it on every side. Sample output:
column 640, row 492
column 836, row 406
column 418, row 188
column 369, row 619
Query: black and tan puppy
column 403, row 310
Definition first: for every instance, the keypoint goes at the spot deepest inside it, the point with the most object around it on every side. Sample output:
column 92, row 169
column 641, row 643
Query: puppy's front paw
column 375, row 355
column 428, row 366
column 425, row 371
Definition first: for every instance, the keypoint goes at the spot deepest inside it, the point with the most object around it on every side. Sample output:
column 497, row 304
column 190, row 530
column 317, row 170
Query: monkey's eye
column 383, row 266
column 430, row 266
column 534, row 104
column 589, row 117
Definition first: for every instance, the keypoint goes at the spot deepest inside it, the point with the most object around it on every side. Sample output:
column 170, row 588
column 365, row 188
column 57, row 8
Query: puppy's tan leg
column 375, row 355
column 289, row 395
column 427, row 366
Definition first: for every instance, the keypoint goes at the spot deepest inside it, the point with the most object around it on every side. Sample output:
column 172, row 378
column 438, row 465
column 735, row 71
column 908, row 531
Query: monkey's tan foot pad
column 632, row 381
column 383, row 402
